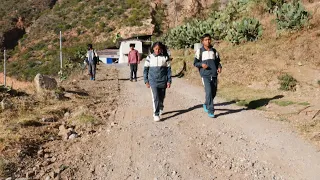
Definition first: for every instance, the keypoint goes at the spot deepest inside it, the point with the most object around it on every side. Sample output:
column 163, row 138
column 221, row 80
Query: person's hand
column 219, row 70
column 168, row 85
column 204, row 66
column 148, row 85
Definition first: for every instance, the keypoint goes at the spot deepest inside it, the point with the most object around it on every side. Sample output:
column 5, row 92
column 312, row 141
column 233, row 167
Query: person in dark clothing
column 207, row 60
column 133, row 61
column 157, row 76
column 91, row 59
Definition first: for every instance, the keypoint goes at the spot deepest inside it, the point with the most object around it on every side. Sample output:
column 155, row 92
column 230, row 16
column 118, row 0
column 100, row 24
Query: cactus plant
column 220, row 25
column 292, row 16
column 247, row 29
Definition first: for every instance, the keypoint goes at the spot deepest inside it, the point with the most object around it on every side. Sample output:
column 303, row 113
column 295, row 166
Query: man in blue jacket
column 208, row 61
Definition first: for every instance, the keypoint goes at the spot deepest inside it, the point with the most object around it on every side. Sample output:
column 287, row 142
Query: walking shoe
column 135, row 80
column 131, row 80
column 211, row 115
column 156, row 118
column 91, row 78
column 205, row 108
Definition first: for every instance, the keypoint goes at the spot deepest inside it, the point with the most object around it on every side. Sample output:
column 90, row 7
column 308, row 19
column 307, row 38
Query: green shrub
column 287, row 82
column 247, row 29
column 218, row 24
column 292, row 16
column 274, row 4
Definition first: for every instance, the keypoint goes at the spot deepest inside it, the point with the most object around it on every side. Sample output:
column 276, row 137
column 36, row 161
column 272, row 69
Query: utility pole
column 60, row 52
column 175, row 13
column 4, row 68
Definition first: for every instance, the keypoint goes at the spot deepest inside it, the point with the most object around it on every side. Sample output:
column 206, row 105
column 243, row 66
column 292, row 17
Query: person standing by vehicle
column 133, row 61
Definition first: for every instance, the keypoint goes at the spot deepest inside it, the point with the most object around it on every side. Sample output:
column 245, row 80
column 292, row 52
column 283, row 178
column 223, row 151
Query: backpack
column 95, row 58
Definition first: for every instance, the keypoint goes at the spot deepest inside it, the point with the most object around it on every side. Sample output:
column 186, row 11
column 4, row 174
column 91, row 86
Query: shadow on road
column 179, row 112
column 128, row 79
column 261, row 102
column 255, row 104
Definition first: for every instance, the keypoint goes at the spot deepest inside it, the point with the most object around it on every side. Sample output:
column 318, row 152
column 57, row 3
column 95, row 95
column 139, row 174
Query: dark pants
column 158, row 95
column 210, row 87
column 133, row 71
column 92, row 70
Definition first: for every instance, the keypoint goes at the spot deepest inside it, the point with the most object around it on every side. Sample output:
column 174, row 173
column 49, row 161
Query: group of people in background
column 157, row 72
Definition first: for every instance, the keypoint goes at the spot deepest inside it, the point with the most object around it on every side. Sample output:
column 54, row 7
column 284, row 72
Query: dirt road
column 238, row 144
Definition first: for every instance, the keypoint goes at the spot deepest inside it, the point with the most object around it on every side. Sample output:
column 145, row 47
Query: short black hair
column 205, row 35
column 90, row 46
column 132, row 45
column 158, row 43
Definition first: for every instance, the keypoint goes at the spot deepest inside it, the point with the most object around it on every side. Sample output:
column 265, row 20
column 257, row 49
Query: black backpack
column 95, row 58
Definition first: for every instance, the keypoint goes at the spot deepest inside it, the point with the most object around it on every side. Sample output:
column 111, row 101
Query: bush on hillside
column 292, row 16
column 274, row 4
column 287, row 82
column 247, row 29
column 220, row 25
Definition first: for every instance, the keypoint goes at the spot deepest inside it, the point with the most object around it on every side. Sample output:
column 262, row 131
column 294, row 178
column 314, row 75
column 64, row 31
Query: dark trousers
column 210, row 87
column 158, row 95
column 92, row 70
column 133, row 71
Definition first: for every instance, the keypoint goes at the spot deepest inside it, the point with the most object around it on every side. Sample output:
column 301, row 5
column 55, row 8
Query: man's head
column 206, row 40
column 132, row 46
column 89, row 46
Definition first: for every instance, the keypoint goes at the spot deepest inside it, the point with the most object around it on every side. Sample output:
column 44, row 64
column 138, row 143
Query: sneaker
column 91, row 78
column 205, row 108
column 131, row 80
column 211, row 115
column 156, row 118
column 135, row 80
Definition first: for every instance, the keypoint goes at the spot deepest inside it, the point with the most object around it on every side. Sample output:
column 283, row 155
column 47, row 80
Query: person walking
column 207, row 60
column 92, row 59
column 133, row 61
column 157, row 76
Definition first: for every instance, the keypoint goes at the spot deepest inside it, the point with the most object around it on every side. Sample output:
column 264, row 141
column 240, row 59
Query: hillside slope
column 81, row 22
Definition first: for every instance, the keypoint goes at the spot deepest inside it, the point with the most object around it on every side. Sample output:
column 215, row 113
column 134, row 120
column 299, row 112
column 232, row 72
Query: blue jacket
column 210, row 58
column 157, row 71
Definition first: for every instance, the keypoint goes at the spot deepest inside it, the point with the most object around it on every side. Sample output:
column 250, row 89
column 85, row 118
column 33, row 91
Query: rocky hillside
column 179, row 11
column 81, row 22
column 16, row 16
column 30, row 29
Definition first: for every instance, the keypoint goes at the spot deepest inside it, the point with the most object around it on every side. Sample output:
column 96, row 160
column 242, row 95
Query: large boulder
column 43, row 82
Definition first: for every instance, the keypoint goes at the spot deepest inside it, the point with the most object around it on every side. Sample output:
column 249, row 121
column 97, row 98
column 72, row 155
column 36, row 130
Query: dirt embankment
column 31, row 124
